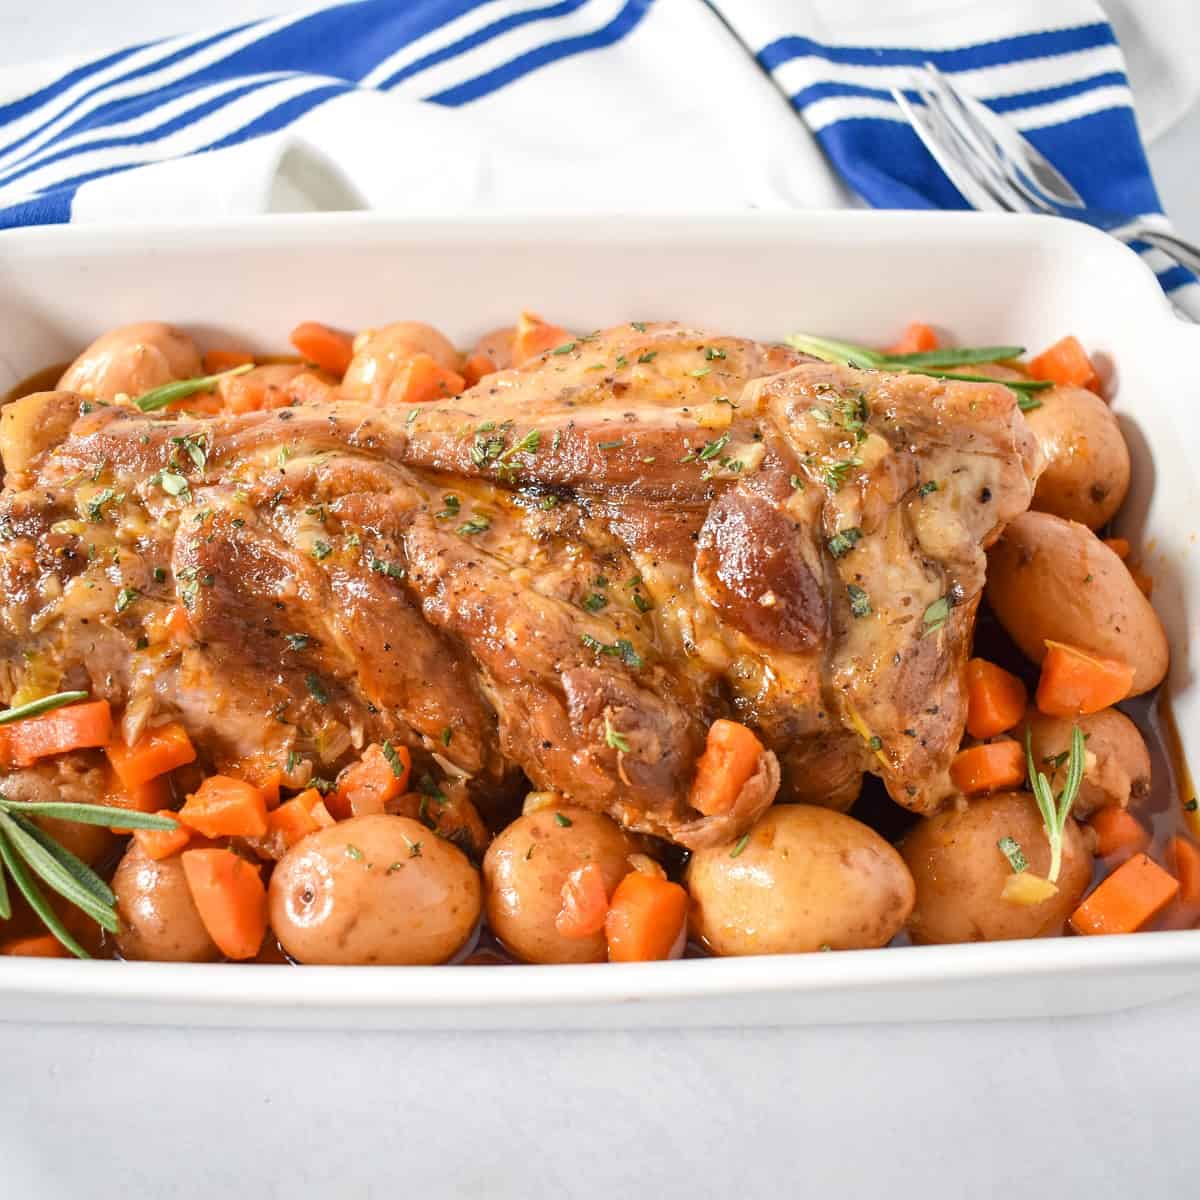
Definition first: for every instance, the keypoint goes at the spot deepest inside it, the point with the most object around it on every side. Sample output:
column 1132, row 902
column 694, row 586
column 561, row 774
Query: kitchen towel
column 581, row 105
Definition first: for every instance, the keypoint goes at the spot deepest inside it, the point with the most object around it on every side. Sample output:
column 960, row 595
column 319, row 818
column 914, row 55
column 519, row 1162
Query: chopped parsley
column 936, row 615
column 928, row 487
column 447, row 734
column 393, row 759
column 641, row 603
column 742, row 843
column 195, row 448
column 125, row 597
column 95, row 506
column 710, row 450
column 353, row 852
column 297, row 641
column 477, row 524
column 860, row 602
column 427, row 786
column 1011, row 849
column 875, row 743
column 563, row 820
column 834, row 474
column 390, row 569
column 611, row 445
column 713, row 352
column 527, row 445
column 640, row 326
column 565, row 348
column 613, row 739
column 648, row 356
column 453, row 504
column 844, row 541
column 316, row 689
column 321, row 550
column 172, row 484
column 160, row 575
column 622, row 648
column 293, row 761
column 595, row 602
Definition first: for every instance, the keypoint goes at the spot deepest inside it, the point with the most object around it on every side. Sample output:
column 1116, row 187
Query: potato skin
column 1051, row 578
column 380, row 355
column 1087, row 461
column 131, row 360
column 960, row 871
column 360, row 893
column 1118, row 770
column 807, row 877
column 525, row 868
column 159, row 921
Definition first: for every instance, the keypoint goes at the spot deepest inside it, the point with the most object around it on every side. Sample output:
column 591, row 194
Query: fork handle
column 1185, row 253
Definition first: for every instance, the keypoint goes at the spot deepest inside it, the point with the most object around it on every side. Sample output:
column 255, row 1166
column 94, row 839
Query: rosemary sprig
column 928, row 362
column 1056, row 811
column 28, row 854
column 35, row 708
column 160, row 397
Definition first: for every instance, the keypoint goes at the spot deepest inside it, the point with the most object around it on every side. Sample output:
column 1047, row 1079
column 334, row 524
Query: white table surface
column 1091, row 1107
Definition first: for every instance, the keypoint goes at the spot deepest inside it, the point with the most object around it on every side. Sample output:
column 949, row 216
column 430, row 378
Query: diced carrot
column 1074, row 683
column 155, row 753
column 584, row 903
column 152, row 796
column 1119, row 546
column 226, row 807
column 305, row 388
column 1066, row 362
column 246, row 393
column 988, row 768
column 646, row 920
column 476, row 367
column 41, row 946
column 730, row 757
column 915, row 339
column 1118, row 831
column 322, row 815
column 995, row 699
column 229, row 896
column 216, row 361
column 162, row 843
column 1183, row 859
column 293, row 819
column 75, row 727
column 422, row 379
column 265, row 774
column 1131, row 897
column 534, row 337
column 330, row 349
column 370, row 783
column 1144, row 582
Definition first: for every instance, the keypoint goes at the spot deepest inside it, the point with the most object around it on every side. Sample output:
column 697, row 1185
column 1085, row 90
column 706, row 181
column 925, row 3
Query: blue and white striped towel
column 437, row 105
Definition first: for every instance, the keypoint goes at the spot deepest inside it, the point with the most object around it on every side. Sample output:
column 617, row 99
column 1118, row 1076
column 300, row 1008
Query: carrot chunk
column 1067, row 363
column 152, row 796
column 995, row 699
column 162, row 843
column 1131, row 897
column 41, row 946
column 225, row 807
column 647, row 919
column 534, row 337
column 230, row 898
column 1119, row 546
column 293, row 820
column 476, row 367
column 1183, row 859
column 584, row 903
column 155, row 753
column 422, row 379
column 988, row 768
column 1074, row 682
column 1118, row 831
column 364, row 788
column 330, row 349
column 915, row 339
column 730, row 757
column 322, row 815
column 216, row 361
column 75, row 727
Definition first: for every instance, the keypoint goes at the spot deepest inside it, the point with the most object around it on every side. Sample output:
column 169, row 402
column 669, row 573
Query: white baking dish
column 856, row 275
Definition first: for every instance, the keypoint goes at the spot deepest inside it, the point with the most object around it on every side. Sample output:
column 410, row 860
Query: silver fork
column 997, row 169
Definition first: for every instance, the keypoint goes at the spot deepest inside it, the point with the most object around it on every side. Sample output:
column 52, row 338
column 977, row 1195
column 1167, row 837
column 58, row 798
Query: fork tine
column 945, row 156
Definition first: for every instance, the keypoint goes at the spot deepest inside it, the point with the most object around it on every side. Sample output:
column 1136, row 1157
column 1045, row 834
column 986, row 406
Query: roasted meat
column 566, row 573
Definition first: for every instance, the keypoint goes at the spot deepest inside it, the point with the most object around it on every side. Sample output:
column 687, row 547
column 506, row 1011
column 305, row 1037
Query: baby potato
column 381, row 353
column 525, row 868
column 132, row 360
column 960, row 871
column 1052, row 578
column 159, row 919
column 1087, row 461
column 78, row 778
column 1118, row 763
column 32, row 424
column 374, row 890
column 807, row 877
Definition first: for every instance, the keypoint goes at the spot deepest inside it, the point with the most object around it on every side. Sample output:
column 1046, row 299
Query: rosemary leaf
column 36, row 707
column 160, row 397
column 82, row 873
column 90, row 814
column 30, row 890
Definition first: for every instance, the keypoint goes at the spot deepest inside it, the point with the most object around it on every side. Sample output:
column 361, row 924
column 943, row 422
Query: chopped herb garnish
column 293, row 761
column 640, row 326
column 447, row 734
column 95, row 506
column 143, row 643
column 297, row 641
column 713, row 352
column 928, row 487
column 160, row 575
column 427, row 786
column 321, row 550
column 383, row 567
column 834, row 474
column 565, row 348
column 393, row 759
column 613, row 739
column 1056, row 811
column 936, row 615
column 797, row 482
column 875, row 743
column 648, row 356
column 316, row 689
column 477, row 524
column 172, row 484
column 548, row 502
column 610, row 445
column 414, row 850
column 710, row 450
column 641, row 603
column 195, row 448
column 594, row 602
column 1011, row 849
column 353, row 852
column 563, row 820
column 700, row 372
column 125, row 597
column 742, row 843
column 844, row 541
column 860, row 602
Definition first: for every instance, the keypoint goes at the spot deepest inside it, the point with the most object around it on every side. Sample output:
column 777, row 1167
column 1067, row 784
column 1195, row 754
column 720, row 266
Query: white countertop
column 1091, row 1107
